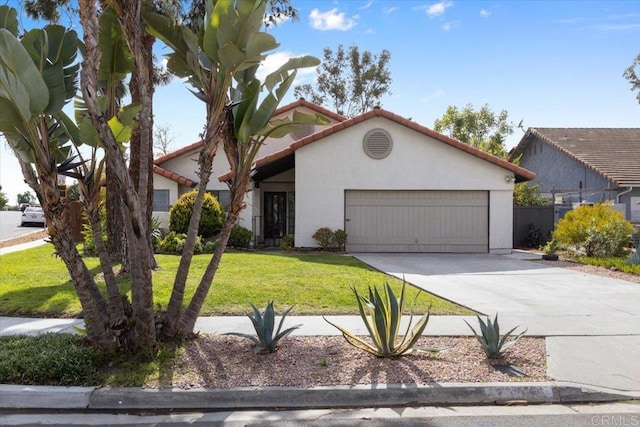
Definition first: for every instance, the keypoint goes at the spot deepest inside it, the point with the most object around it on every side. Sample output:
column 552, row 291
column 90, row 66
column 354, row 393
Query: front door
column 275, row 215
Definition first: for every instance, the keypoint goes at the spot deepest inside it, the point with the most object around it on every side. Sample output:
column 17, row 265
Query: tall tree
column 38, row 76
column 349, row 82
column 3, row 199
column 26, row 197
column 482, row 129
column 632, row 73
column 163, row 139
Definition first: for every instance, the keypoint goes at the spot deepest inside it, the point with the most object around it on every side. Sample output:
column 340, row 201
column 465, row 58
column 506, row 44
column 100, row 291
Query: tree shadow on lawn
column 327, row 258
column 55, row 300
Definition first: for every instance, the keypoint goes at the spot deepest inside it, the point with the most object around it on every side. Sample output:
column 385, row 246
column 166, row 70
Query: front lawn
column 35, row 283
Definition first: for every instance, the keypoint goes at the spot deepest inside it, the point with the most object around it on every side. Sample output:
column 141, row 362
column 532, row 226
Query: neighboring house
column 391, row 184
column 575, row 165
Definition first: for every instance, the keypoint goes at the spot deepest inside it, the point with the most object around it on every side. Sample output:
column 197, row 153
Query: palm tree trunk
column 143, row 333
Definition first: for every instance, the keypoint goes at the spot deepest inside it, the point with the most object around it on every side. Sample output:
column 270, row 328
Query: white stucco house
column 390, row 183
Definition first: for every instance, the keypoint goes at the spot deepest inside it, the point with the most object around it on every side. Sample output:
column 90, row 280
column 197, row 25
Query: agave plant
column 381, row 314
column 266, row 341
column 493, row 345
column 634, row 258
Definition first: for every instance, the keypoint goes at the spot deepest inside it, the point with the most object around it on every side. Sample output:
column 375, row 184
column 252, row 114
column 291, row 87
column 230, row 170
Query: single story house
column 576, row 165
column 390, row 183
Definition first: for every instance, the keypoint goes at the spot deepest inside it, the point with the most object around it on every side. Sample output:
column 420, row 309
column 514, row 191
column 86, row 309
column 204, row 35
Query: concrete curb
column 268, row 398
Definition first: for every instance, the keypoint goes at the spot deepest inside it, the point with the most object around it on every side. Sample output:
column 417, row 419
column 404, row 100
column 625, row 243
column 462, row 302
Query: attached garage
column 417, row 221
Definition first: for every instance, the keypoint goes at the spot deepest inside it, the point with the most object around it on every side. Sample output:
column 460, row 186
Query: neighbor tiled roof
column 304, row 103
column 174, row 176
column 196, row 146
column 612, row 152
column 521, row 173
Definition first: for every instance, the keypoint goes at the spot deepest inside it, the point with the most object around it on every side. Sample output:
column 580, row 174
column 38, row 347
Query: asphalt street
column 10, row 225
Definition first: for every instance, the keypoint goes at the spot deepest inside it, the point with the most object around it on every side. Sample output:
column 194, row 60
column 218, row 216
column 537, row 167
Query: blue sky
column 548, row 63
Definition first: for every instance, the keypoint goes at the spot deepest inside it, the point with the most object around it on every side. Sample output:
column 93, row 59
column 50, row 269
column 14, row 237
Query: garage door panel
column 416, row 221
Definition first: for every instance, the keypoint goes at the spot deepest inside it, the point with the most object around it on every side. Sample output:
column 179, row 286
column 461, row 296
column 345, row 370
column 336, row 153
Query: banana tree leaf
column 88, row 134
column 292, row 64
column 210, row 40
column 70, row 128
column 116, row 61
column 53, row 51
column 9, row 19
column 10, row 119
column 237, row 21
column 128, row 114
column 20, row 80
column 121, row 133
column 231, row 57
column 260, row 43
column 21, row 147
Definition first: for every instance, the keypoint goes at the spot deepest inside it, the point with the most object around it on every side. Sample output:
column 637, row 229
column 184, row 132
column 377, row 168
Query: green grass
column 620, row 263
column 35, row 283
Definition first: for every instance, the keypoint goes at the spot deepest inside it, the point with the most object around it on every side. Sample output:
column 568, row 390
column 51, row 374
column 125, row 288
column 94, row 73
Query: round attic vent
column 377, row 143
column 302, row 130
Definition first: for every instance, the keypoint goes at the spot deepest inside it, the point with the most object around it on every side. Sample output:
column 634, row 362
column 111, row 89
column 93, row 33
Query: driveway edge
column 266, row 398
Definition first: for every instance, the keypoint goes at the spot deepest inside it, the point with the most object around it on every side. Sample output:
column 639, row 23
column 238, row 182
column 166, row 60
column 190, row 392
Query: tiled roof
column 612, row 152
column 521, row 173
column 196, row 146
column 174, row 176
column 304, row 103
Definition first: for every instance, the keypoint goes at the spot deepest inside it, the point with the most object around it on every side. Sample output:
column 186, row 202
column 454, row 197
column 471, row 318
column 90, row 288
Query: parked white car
column 33, row 215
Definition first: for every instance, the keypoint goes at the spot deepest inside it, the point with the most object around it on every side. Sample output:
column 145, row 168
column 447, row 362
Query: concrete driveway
column 570, row 302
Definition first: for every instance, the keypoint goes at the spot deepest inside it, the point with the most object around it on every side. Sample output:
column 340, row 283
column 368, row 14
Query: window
column 161, row 200
column 223, row 196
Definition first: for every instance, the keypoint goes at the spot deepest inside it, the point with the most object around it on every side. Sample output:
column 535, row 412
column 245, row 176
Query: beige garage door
column 417, row 221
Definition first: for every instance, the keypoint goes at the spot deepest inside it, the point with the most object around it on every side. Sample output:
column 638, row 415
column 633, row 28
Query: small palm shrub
column 240, row 237
column 595, row 230
column 634, row 257
column 266, row 340
column 492, row 344
column 381, row 314
column 211, row 219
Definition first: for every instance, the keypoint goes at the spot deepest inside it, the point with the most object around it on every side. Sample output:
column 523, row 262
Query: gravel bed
column 217, row 361
column 36, row 235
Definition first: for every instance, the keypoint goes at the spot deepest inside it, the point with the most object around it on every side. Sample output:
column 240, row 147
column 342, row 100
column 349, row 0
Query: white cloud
column 450, row 25
column 485, row 13
column 330, row 20
column 277, row 59
column 437, row 9
column 388, row 10
column 368, row 5
column 437, row 94
column 621, row 27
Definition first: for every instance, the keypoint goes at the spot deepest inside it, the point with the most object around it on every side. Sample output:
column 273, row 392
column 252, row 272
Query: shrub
column 593, row 230
column 240, row 237
column 381, row 314
column 330, row 240
column 324, row 237
column 266, row 340
column 340, row 239
column 287, row 243
column 211, row 219
column 634, row 257
column 211, row 245
column 528, row 195
column 492, row 344
column 53, row 358
column 174, row 242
